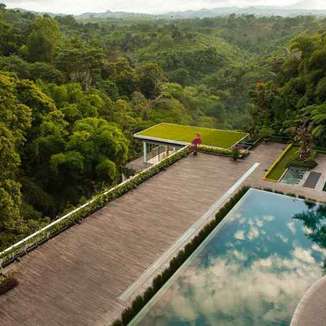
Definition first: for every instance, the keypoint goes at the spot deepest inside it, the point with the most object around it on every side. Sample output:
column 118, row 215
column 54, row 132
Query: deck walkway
column 78, row 277
column 311, row 311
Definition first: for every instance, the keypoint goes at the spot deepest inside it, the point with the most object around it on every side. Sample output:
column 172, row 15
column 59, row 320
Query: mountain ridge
column 268, row 11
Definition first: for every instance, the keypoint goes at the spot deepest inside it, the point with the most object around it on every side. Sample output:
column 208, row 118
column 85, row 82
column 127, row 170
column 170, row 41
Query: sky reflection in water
column 253, row 271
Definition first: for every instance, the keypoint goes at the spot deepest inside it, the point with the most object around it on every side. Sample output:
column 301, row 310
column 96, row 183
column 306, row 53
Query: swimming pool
column 293, row 175
column 252, row 270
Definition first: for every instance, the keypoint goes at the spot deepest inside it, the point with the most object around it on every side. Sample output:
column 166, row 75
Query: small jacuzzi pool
column 293, row 175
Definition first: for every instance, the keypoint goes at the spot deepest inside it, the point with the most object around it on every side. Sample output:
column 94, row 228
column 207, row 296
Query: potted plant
column 235, row 153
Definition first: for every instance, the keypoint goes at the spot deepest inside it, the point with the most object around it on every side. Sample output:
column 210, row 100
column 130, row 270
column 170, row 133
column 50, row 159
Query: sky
column 151, row 6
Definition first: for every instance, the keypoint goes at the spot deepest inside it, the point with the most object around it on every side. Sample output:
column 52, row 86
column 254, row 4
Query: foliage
column 7, row 282
column 305, row 141
column 214, row 150
column 235, row 153
column 43, row 39
column 309, row 163
column 96, row 202
column 73, row 93
column 297, row 94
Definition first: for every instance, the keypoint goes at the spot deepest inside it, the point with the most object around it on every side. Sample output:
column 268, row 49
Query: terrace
column 282, row 171
column 90, row 273
column 171, row 136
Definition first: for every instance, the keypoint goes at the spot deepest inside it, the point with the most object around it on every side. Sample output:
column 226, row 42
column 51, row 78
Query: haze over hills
column 258, row 11
column 291, row 11
column 300, row 9
column 306, row 4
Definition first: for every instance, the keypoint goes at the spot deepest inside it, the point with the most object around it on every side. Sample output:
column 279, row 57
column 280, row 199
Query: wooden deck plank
column 77, row 277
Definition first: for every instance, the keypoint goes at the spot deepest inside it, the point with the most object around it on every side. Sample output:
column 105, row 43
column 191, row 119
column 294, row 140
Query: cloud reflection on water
column 253, row 272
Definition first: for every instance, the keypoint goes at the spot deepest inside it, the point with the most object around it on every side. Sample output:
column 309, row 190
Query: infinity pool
column 252, row 270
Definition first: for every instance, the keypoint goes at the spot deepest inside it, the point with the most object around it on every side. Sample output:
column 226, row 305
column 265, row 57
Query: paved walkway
column 78, row 277
column 316, row 194
column 311, row 310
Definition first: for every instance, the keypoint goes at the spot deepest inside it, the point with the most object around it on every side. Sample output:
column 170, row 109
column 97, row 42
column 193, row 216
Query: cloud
column 239, row 235
column 266, row 291
column 292, row 227
column 147, row 6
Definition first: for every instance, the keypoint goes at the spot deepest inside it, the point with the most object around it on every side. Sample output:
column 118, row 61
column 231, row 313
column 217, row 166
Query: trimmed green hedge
column 140, row 302
column 219, row 151
column 309, row 163
column 85, row 210
column 215, row 150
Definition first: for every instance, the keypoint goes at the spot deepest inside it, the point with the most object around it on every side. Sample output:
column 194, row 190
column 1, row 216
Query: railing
column 32, row 241
column 158, row 150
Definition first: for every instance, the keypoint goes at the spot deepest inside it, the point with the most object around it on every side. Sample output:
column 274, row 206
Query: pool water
column 252, row 270
column 293, row 175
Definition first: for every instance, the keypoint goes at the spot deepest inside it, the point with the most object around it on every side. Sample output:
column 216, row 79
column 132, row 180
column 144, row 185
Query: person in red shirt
column 194, row 144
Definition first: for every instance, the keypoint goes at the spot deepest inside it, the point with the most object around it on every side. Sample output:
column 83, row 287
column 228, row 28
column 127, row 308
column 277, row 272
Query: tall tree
column 43, row 39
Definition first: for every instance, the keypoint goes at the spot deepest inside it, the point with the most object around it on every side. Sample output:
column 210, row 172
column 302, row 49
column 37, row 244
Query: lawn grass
column 181, row 133
column 278, row 169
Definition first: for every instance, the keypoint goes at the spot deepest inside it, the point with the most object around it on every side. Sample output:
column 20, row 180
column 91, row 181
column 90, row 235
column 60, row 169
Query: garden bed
column 281, row 164
column 289, row 157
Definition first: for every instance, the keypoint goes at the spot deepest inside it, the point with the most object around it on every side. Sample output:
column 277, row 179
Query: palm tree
column 305, row 139
column 318, row 117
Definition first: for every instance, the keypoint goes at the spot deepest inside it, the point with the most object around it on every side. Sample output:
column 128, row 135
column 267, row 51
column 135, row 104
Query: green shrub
column 308, row 164
column 239, row 153
column 235, row 153
column 7, row 282
column 214, row 150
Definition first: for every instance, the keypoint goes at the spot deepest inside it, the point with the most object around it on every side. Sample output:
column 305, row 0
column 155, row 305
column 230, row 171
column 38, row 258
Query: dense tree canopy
column 72, row 94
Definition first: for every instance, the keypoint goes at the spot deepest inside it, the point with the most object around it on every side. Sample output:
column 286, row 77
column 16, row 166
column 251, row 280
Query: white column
column 145, row 151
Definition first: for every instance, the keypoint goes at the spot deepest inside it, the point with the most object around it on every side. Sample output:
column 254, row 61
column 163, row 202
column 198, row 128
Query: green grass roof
column 185, row 134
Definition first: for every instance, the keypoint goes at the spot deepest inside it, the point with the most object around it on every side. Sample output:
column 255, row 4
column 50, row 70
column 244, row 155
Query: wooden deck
column 78, row 277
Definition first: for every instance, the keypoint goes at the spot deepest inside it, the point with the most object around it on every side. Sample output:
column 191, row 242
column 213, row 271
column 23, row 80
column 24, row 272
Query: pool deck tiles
column 311, row 310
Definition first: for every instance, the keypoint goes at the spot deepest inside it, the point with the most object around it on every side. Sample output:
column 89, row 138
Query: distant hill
column 300, row 9
column 113, row 14
column 257, row 11
column 216, row 12
column 307, row 4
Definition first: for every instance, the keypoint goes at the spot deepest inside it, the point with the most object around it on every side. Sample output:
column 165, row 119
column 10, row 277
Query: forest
column 73, row 92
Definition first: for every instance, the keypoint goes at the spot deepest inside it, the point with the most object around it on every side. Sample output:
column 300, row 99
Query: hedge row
column 85, row 210
column 139, row 303
column 219, row 151
column 215, row 150
column 309, row 163
column 7, row 283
